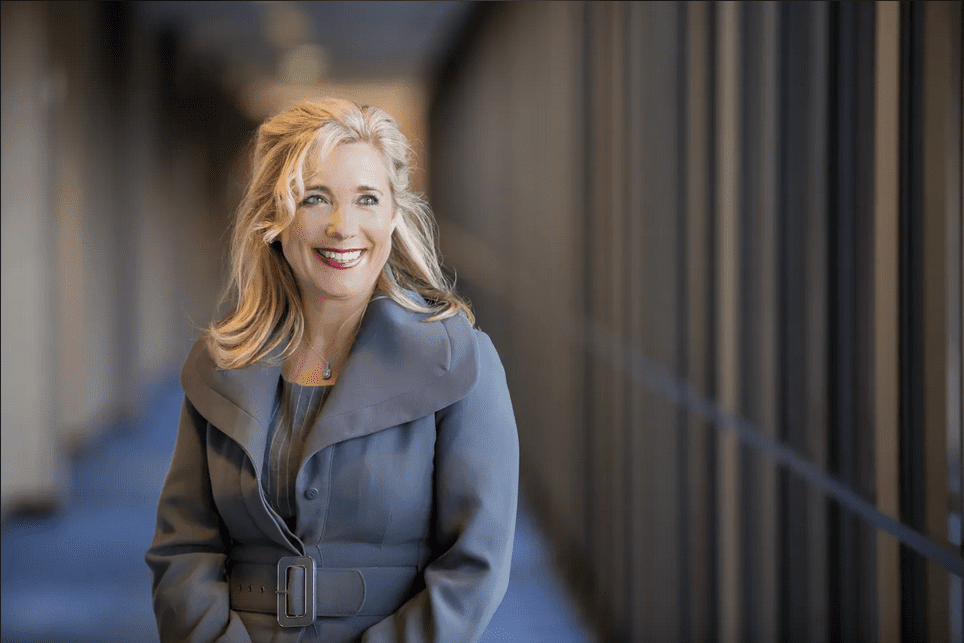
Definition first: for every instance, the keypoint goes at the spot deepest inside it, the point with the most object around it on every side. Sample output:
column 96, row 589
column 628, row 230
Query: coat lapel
column 238, row 402
column 400, row 368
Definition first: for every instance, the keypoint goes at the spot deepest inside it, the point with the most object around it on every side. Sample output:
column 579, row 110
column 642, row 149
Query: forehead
column 356, row 162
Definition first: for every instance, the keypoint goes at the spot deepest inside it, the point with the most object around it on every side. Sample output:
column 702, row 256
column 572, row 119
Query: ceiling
column 306, row 43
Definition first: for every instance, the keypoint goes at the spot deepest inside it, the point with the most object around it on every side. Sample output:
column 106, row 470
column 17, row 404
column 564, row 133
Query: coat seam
column 324, row 525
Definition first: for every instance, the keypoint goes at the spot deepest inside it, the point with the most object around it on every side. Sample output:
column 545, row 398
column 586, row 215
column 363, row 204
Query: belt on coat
column 297, row 591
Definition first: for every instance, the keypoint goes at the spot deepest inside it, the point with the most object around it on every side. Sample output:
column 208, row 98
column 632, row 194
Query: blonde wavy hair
column 265, row 300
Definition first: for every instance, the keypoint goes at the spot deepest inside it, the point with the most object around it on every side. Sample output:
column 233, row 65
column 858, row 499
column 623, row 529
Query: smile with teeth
column 340, row 258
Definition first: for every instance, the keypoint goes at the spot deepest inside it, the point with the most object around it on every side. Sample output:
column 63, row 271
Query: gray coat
column 411, row 469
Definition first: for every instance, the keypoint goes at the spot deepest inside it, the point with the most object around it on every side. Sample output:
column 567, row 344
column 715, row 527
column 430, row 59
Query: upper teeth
column 343, row 257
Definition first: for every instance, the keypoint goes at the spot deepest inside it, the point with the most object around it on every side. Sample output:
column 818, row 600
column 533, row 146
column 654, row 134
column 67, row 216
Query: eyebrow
column 325, row 188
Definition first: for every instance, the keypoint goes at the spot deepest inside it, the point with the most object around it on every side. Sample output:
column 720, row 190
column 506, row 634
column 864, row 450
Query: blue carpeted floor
column 80, row 577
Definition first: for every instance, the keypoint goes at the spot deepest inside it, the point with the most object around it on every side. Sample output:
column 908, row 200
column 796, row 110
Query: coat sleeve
column 188, row 553
column 476, row 493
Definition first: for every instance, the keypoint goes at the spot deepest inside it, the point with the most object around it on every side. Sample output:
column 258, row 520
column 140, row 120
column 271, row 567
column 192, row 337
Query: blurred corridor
column 719, row 247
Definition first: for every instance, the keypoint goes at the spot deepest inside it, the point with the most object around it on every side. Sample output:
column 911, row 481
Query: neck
column 330, row 329
column 330, row 321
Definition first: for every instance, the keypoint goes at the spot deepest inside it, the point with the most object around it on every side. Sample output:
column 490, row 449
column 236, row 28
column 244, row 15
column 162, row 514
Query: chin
column 346, row 290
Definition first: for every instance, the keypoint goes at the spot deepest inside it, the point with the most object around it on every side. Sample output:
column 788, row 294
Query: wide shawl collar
column 399, row 369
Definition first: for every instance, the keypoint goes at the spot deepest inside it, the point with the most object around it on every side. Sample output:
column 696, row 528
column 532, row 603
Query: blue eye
column 313, row 199
column 368, row 199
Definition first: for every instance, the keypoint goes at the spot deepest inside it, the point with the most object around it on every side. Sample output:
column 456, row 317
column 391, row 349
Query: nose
column 343, row 223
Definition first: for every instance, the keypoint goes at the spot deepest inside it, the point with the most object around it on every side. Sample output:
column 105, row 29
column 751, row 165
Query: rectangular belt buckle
column 285, row 581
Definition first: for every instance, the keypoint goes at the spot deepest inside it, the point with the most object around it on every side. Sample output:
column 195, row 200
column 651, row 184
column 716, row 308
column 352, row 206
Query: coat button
column 311, row 493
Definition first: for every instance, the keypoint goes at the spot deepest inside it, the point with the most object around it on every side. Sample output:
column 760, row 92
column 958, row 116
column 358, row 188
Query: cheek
column 295, row 234
column 387, row 238
column 289, row 246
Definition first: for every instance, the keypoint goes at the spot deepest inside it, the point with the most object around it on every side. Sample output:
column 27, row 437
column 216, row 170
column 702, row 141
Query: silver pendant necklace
column 326, row 371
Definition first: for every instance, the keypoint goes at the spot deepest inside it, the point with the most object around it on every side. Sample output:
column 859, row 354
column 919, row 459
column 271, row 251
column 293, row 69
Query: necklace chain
column 326, row 371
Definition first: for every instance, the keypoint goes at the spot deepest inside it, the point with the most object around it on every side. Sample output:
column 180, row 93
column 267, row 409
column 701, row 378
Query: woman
column 346, row 464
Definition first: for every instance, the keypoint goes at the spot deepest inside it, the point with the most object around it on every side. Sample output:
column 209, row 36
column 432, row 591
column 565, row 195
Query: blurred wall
column 28, row 254
column 718, row 246
column 120, row 171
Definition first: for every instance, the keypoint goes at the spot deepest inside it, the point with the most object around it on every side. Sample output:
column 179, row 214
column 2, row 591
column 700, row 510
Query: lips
column 340, row 258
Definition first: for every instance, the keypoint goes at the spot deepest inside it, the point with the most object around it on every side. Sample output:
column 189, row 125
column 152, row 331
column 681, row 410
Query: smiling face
column 341, row 235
